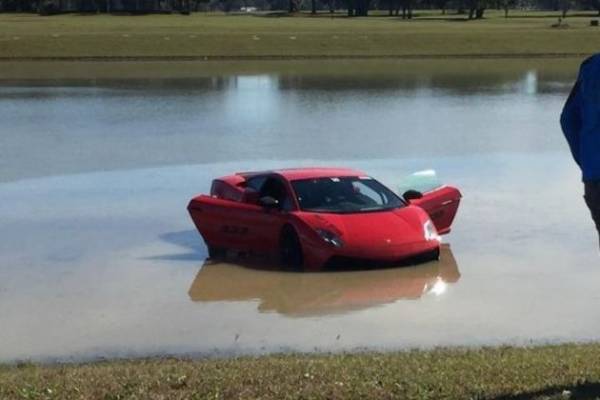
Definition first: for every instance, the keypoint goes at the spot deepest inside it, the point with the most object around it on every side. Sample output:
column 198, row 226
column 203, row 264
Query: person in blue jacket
column 580, row 122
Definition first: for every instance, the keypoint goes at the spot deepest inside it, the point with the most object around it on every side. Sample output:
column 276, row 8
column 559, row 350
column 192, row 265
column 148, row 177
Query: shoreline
column 52, row 72
column 544, row 372
column 300, row 57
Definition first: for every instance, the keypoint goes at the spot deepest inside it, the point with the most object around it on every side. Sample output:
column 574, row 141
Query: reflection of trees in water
column 466, row 83
column 454, row 83
column 27, row 89
column 459, row 83
column 175, row 84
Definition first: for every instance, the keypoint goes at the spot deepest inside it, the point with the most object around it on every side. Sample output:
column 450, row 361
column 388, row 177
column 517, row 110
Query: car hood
column 374, row 229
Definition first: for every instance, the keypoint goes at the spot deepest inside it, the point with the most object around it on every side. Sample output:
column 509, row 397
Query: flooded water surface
column 99, row 258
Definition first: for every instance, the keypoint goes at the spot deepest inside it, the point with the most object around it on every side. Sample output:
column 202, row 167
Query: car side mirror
column 268, row 202
column 412, row 195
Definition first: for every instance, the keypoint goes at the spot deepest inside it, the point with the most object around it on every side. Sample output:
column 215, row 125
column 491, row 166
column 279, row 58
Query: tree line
column 471, row 9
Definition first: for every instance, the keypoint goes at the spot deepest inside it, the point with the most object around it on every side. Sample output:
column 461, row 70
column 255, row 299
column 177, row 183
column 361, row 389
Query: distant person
column 580, row 121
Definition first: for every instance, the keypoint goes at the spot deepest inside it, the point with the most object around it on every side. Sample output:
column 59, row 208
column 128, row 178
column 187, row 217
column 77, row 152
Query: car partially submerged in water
column 315, row 217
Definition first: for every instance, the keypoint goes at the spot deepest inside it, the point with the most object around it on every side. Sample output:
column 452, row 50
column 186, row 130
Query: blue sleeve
column 570, row 121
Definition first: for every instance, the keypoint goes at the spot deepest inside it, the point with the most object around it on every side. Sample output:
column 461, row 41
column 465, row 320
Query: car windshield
column 344, row 195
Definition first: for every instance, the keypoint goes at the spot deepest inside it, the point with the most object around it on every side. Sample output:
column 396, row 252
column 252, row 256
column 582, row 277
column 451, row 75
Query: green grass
column 446, row 70
column 490, row 373
column 217, row 35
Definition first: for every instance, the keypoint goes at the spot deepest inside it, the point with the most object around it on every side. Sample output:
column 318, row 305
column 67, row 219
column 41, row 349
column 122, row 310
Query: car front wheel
column 290, row 249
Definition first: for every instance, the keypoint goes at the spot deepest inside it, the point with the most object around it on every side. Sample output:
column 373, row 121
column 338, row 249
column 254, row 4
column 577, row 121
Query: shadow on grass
column 274, row 14
column 582, row 391
column 140, row 13
column 285, row 14
column 555, row 14
column 440, row 19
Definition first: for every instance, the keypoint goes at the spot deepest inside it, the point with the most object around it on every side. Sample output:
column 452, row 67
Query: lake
column 99, row 258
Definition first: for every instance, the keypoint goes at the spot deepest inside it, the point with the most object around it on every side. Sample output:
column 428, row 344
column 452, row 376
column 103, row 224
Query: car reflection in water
column 321, row 293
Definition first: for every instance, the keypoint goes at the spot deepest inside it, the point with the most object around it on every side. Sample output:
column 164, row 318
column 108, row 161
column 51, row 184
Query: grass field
column 217, row 36
column 556, row 372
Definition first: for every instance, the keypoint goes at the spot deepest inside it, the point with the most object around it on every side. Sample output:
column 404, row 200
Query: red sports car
column 314, row 217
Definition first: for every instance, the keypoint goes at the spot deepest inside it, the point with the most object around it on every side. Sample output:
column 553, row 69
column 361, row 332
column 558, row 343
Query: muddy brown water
column 98, row 257
column 329, row 292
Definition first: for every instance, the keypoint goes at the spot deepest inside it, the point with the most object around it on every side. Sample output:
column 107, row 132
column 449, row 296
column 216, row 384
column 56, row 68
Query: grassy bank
column 497, row 373
column 454, row 70
column 217, row 36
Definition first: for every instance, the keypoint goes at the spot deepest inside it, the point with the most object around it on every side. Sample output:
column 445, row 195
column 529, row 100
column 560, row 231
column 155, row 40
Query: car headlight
column 330, row 237
column 430, row 232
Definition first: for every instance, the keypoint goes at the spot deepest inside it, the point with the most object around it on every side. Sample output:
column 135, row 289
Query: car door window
column 256, row 182
column 276, row 189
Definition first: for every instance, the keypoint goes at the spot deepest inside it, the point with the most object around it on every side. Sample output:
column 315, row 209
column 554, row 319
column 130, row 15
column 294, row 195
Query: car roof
column 292, row 174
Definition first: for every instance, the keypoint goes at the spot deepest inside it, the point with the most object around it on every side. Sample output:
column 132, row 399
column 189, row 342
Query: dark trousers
column 592, row 199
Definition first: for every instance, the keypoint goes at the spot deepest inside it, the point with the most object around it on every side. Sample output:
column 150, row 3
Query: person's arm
column 570, row 120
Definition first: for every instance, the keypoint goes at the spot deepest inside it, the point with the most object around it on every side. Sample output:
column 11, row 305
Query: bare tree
column 406, row 9
column 476, row 8
column 392, row 7
column 362, row 8
column 294, row 6
column 358, row 8
column 441, row 4
column 564, row 7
